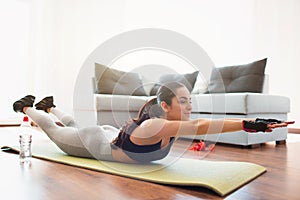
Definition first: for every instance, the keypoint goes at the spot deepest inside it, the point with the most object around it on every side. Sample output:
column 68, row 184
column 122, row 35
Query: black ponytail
column 149, row 110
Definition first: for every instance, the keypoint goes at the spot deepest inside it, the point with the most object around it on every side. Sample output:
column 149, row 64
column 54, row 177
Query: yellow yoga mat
column 221, row 177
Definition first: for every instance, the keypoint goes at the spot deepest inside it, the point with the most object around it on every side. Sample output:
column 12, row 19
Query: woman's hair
column 149, row 110
column 167, row 91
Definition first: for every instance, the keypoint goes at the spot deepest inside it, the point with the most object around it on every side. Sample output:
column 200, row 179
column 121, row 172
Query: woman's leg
column 47, row 105
column 66, row 119
column 92, row 142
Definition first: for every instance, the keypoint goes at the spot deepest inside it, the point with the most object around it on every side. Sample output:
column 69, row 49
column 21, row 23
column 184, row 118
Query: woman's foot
column 45, row 104
column 26, row 101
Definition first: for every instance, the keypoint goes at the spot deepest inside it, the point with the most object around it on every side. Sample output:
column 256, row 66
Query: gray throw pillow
column 187, row 79
column 112, row 81
column 239, row 78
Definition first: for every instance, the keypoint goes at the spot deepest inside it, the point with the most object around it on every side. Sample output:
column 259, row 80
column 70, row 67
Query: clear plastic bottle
column 25, row 139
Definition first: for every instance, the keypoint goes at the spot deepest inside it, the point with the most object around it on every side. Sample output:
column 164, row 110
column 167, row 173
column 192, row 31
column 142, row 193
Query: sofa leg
column 281, row 142
column 252, row 146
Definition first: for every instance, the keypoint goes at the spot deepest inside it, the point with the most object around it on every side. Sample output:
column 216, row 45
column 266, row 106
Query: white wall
column 71, row 31
column 277, row 36
column 63, row 33
column 14, row 59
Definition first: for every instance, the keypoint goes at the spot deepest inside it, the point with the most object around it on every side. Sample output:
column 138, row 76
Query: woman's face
column 181, row 107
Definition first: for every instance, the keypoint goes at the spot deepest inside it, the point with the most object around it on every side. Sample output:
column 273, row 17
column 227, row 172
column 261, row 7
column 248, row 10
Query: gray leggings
column 91, row 142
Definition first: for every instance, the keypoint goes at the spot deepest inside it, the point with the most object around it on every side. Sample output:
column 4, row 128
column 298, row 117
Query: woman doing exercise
column 149, row 137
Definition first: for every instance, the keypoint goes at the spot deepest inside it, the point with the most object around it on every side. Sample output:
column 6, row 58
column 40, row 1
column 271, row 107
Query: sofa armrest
column 93, row 82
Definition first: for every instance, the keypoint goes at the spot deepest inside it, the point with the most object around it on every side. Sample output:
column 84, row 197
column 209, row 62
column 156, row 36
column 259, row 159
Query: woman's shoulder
column 158, row 127
column 169, row 128
column 153, row 122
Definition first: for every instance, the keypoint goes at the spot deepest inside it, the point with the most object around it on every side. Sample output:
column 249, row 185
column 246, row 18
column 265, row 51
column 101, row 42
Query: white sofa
column 116, row 109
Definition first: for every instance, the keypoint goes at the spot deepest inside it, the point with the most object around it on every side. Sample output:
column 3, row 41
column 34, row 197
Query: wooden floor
column 47, row 180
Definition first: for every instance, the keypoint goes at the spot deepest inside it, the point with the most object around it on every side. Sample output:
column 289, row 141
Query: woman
column 160, row 122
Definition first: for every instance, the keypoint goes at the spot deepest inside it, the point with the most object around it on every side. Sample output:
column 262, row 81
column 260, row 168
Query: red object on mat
column 201, row 146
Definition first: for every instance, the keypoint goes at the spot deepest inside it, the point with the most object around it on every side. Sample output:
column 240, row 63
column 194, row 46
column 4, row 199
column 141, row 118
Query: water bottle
column 25, row 138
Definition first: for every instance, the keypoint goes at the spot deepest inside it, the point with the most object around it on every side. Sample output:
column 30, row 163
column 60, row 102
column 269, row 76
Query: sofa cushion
column 230, row 103
column 187, row 79
column 238, row 78
column 108, row 102
column 112, row 81
column 240, row 103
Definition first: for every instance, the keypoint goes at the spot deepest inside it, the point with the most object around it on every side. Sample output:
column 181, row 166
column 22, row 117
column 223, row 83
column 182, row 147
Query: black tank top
column 146, row 153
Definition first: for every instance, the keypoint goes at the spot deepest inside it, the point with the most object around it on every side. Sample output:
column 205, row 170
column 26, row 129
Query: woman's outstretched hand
column 278, row 125
column 264, row 125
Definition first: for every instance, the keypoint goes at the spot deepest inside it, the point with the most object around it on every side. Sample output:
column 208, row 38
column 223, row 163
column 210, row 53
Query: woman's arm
column 212, row 126
column 159, row 128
